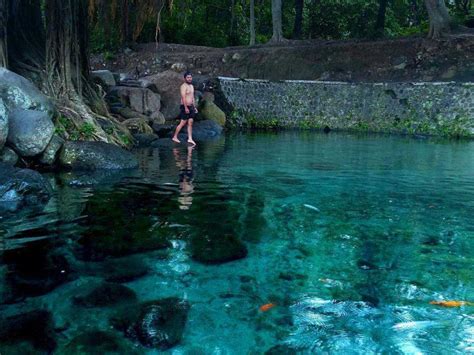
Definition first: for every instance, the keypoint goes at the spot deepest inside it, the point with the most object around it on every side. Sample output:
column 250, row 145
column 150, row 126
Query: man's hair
column 187, row 73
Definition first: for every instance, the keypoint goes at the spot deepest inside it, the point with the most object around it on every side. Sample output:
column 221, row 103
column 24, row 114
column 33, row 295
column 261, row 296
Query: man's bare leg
column 178, row 129
column 190, row 132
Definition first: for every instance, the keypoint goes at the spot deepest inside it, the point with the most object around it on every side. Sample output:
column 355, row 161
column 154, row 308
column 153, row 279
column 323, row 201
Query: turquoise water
column 348, row 238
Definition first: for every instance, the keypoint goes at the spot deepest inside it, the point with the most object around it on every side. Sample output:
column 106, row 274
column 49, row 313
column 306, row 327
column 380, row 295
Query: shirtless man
column 188, row 108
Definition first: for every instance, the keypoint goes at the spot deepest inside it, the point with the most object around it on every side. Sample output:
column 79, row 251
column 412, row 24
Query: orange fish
column 452, row 303
column 267, row 307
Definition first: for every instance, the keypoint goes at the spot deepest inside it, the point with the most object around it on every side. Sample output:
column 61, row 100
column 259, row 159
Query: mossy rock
column 210, row 111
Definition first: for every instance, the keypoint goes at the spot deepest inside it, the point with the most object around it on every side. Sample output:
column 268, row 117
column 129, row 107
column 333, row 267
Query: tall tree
column 252, row 22
column 380, row 23
column 440, row 21
column 277, row 22
column 299, row 5
column 3, row 33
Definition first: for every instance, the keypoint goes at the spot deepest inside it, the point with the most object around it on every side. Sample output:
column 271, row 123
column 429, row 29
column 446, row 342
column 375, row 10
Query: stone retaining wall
column 413, row 108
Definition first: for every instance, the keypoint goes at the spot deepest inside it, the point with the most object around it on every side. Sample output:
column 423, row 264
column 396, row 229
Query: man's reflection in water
column 186, row 176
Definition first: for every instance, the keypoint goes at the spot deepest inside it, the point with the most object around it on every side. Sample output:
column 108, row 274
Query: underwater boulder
column 216, row 249
column 106, row 294
column 98, row 342
column 35, row 327
column 155, row 324
column 124, row 269
column 22, row 187
column 118, row 224
column 35, row 270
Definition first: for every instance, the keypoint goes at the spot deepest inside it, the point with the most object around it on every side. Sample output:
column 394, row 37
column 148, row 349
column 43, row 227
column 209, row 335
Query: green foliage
column 217, row 23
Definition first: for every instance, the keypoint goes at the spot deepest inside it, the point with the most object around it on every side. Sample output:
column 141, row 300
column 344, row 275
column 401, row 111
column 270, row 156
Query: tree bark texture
column 440, row 21
column 252, row 22
column 67, row 62
column 277, row 21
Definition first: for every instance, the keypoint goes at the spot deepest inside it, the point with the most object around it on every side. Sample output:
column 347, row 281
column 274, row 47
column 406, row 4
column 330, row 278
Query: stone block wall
column 413, row 108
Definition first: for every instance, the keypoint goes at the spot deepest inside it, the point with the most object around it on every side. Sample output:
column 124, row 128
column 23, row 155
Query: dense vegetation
column 221, row 23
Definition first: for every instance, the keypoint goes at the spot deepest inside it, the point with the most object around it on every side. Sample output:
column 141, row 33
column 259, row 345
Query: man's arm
column 183, row 98
column 194, row 103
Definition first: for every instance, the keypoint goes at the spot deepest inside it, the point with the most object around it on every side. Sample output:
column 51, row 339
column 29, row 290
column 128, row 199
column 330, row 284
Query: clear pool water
column 344, row 239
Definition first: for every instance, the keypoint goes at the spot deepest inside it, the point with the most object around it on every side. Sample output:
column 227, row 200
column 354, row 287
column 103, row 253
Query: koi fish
column 452, row 303
column 267, row 307
column 311, row 207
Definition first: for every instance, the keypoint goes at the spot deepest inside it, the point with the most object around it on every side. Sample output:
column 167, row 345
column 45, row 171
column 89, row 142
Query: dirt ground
column 406, row 59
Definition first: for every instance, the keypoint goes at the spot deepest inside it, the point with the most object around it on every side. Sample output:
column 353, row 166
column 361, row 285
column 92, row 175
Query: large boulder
column 29, row 131
column 155, row 324
column 95, row 155
column 210, row 111
column 18, row 92
column 20, row 187
column 139, row 99
column 104, row 77
column 3, row 124
column 168, row 84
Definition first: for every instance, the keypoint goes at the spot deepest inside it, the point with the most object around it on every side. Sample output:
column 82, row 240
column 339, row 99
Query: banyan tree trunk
column 440, row 21
column 66, row 37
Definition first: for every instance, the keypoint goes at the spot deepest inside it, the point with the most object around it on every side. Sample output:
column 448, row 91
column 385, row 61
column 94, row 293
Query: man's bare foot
column 174, row 139
column 190, row 141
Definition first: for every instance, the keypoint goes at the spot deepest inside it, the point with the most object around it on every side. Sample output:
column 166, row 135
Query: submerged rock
column 106, row 294
column 98, row 342
column 35, row 270
column 120, row 223
column 35, row 327
column 125, row 269
column 96, row 155
column 282, row 349
column 155, row 324
column 22, row 187
column 29, row 131
column 215, row 249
